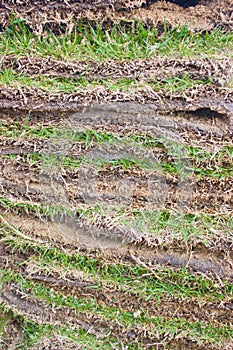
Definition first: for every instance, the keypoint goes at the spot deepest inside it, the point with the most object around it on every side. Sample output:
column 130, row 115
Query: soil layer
column 207, row 15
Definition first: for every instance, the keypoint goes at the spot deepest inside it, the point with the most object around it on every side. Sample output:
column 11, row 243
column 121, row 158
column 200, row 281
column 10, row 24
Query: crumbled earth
column 206, row 15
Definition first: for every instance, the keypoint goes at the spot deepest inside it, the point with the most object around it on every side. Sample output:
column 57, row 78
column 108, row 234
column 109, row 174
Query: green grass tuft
column 117, row 43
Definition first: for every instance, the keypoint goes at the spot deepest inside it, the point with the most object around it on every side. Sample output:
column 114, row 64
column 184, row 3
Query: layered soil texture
column 116, row 175
column 198, row 14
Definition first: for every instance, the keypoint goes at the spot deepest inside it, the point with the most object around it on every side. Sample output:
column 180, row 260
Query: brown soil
column 203, row 98
column 57, row 343
column 152, row 69
column 217, row 261
column 208, row 14
column 74, row 188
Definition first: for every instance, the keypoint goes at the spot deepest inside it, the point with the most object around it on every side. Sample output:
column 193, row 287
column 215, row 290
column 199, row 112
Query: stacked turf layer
column 116, row 178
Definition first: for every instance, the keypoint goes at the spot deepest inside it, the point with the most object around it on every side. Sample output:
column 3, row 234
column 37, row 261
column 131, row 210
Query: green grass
column 19, row 130
column 5, row 320
column 129, row 277
column 229, row 83
column 171, row 84
column 9, row 78
column 33, row 332
column 39, row 209
column 159, row 283
column 196, row 161
column 91, row 137
column 190, row 228
column 176, row 166
column 201, row 332
column 154, row 283
column 117, row 43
